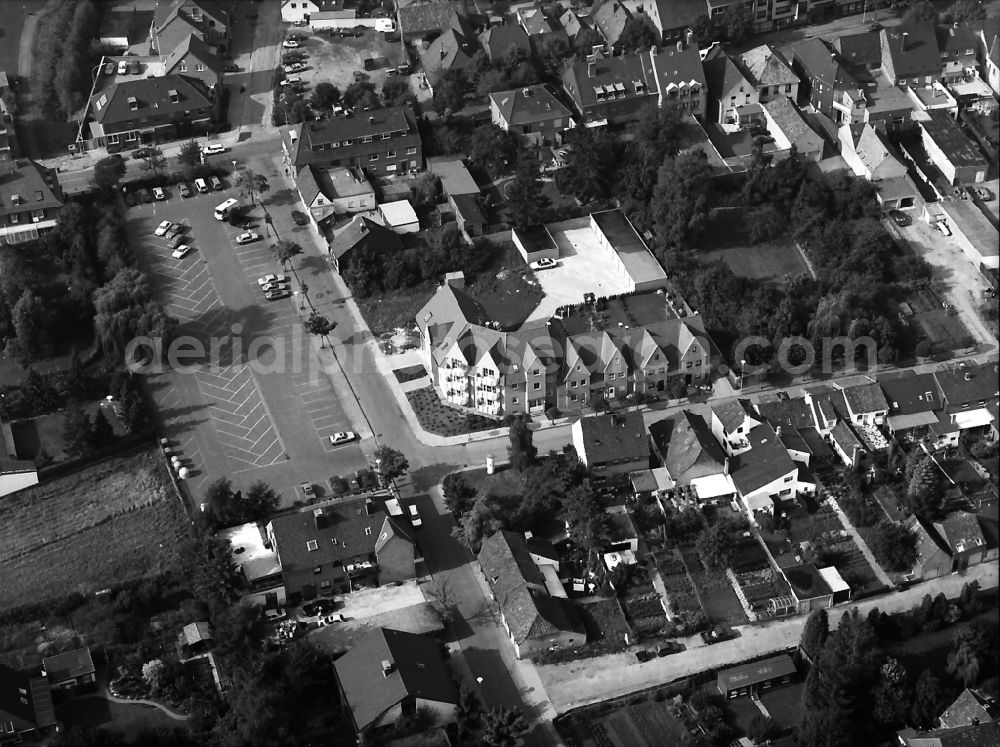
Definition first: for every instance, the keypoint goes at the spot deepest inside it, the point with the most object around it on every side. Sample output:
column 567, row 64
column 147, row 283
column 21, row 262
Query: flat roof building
column 759, row 675
column 634, row 260
column 951, row 151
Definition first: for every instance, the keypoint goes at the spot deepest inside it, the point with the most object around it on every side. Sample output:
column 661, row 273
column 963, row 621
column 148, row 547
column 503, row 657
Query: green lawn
column 395, row 309
column 442, row 420
column 127, row 719
column 728, row 236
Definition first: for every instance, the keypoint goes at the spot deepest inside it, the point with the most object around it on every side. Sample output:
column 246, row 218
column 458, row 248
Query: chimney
column 688, row 36
column 386, row 667
column 777, row 431
column 680, row 45
column 371, row 119
column 591, row 69
column 369, row 506
column 614, row 7
column 725, row 467
column 528, row 535
column 904, row 39
column 318, row 518
column 444, row 53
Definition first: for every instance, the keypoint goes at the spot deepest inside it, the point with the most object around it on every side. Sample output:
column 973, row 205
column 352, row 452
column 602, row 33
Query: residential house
column 728, row 86
column 363, row 234
column 967, row 393
column 790, row 129
column 26, row 709
column 809, row 589
column 692, row 457
column 8, row 138
column 330, row 192
column 932, row 559
column 866, row 404
column 764, row 474
column 913, row 401
column 256, row 559
column 195, row 639
column 888, row 107
column 755, row 677
column 772, row 74
column 144, row 110
column 454, row 176
column 955, row 155
column 610, row 20
column 174, row 20
column 962, row 536
column 195, row 59
column 469, row 216
column 674, row 18
column 390, row 674
column 910, row 55
column 422, row 19
column 868, row 154
column 612, row 443
column 828, row 83
column 70, row 669
column 299, row 11
column 30, row 203
column 967, row 709
column 540, row 28
column 851, row 449
column 534, row 113
column 973, row 735
column 379, row 142
column 534, row 620
column 610, row 90
column 862, row 53
column 452, row 50
column 732, row 421
column 399, row 216
column 500, row 42
column 680, row 77
column 330, row 547
column 573, row 25
column 957, row 45
column 989, row 59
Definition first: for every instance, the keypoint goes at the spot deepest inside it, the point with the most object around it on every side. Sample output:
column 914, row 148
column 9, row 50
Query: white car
column 292, row 80
column 268, row 279
column 275, row 287
column 159, row 194
column 943, row 227
column 247, row 238
column 290, row 44
column 161, row 230
column 342, row 437
column 543, row 264
column 275, row 615
column 415, row 515
column 181, row 251
column 201, row 185
column 213, row 149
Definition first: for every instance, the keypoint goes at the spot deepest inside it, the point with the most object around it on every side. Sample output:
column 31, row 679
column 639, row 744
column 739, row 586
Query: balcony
column 359, row 569
column 487, row 381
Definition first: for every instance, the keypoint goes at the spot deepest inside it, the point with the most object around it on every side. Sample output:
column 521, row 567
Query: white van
column 123, row 67
column 201, row 185
column 222, row 211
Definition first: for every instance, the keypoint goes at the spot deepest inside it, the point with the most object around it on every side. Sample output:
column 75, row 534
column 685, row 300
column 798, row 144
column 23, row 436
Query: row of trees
column 65, row 52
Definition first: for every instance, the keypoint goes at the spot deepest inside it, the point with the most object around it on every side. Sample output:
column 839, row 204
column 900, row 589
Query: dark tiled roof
column 733, row 412
column 766, row 461
column 961, row 531
column 529, row 105
column 153, row 97
column 692, row 452
column 967, row 383
column 767, row 66
column 497, row 41
column 679, row 14
column 910, row 393
column 417, row 671
column 794, row 126
column 822, row 65
column 920, row 56
column 194, row 47
column 309, row 135
column 363, row 231
column 25, row 700
column 792, row 412
column 756, row 672
column 450, row 51
column 964, row 711
column 614, row 437
column 865, row 398
column 610, row 19
column 35, row 186
column 956, row 40
column 607, row 71
column 864, row 49
column 68, row 665
column 423, row 17
column 722, row 74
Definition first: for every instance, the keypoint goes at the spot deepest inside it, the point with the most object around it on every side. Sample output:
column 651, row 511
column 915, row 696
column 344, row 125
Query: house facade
column 772, row 75
column 534, row 113
column 957, row 157
column 71, row 669
column 30, row 202
column 612, row 443
column 174, row 20
column 910, row 56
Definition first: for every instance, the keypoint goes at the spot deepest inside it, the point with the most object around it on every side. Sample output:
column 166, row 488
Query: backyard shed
column 759, row 675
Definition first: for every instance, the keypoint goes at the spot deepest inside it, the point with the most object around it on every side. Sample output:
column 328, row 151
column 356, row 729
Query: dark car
column 900, row 218
column 643, row 655
column 184, row 189
column 716, row 635
column 670, row 647
column 131, row 199
column 300, row 218
column 141, row 153
column 230, row 68
column 146, row 195
column 325, row 606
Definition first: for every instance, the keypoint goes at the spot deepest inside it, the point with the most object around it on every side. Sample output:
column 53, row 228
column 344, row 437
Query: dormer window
column 133, row 104
column 640, row 87
column 175, row 97
column 599, row 93
column 312, row 545
column 183, row 66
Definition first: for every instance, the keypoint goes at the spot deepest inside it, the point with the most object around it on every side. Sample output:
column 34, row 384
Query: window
column 411, row 150
column 786, row 491
column 572, row 398
column 183, row 66
column 579, row 367
column 317, row 569
column 348, row 142
column 789, row 478
column 366, row 139
column 514, row 401
column 537, row 385
column 611, row 392
column 373, row 156
column 325, row 585
column 334, row 145
column 312, row 545
column 535, row 371
column 574, row 384
column 788, row 88
column 689, row 364
column 112, row 139
column 199, row 67
column 386, row 135
column 696, row 104
column 390, row 154
column 368, row 531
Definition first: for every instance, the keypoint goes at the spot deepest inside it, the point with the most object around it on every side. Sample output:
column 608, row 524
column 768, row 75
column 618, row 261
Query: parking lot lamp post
column 378, row 469
column 304, row 290
column 743, row 367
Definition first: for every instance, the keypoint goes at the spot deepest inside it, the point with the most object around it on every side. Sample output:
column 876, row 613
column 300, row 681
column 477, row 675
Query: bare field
column 104, row 525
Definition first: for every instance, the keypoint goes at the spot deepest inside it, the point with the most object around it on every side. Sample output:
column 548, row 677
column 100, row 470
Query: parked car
column 247, row 238
column 146, row 195
column 900, row 218
column 174, row 232
column 267, row 279
column 716, row 635
column 290, row 44
column 643, row 655
column 276, row 287
column 943, row 227
column 330, row 619
column 307, row 488
column 275, row 615
column 543, row 264
column 216, row 184
column 161, row 230
column 201, row 185
column 230, row 68
column 159, row 194
column 669, row 647
column 274, row 295
column 142, row 153
column 415, row 516
column 213, row 149
column 342, row 437
column 291, row 80
column 181, row 251
column 984, row 194
column 300, row 218
column 184, row 189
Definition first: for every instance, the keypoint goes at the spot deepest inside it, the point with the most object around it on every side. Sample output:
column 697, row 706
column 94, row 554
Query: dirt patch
column 336, row 59
column 397, row 308
column 441, row 420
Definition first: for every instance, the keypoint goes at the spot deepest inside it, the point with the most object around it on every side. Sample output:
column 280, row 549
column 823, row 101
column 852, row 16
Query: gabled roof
column 416, row 669
column 424, row 17
column 912, row 49
column 766, row 66
column 874, row 153
column 929, row 546
column 980, row 735
column 192, row 46
column 571, row 23
column 68, row 665
column 498, row 40
column 845, row 437
column 957, row 41
column 865, row 398
column 581, row 78
column 364, row 231
column 732, row 413
column 151, row 95
column 450, row 51
column 910, row 393
column 961, row 532
column 196, row 632
column 678, row 14
column 673, row 67
column 692, row 451
column 960, row 384
column 536, row 23
column 25, row 700
column 722, row 74
column 766, row 461
column 790, row 121
column 611, row 437
column 966, row 710
column 862, row 50
column 610, row 20
column 528, row 612
column 26, row 185
column 822, row 65
column 792, row 412
column 528, row 105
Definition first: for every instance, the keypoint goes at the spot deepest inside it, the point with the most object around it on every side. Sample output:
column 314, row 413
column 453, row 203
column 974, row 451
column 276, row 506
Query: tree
column 78, row 381
column 458, row 495
column 703, row 30
column 77, row 430
column 152, row 160
column 814, row 634
column 449, row 91
column 325, row 96
column 894, row 545
column 101, row 431
column 762, row 729
column 766, row 223
column 152, row 675
column 973, row 655
column 637, row 34
column 361, row 95
column 468, row 712
column 892, row 695
column 927, row 700
column 390, row 463
column 968, row 600
column 528, row 203
column 250, row 183
column 922, row 10
column 965, row 11
column 925, row 489
column 109, row 171
column 126, row 309
column 502, row 727
column 39, row 393
column 737, row 24
column 479, row 522
column 260, row 502
column 492, row 149
column 284, row 251
column 318, row 325
column 397, row 92
column 590, row 168
column 30, row 322
column 585, row 517
column 717, row 543
column 521, row 451
column 680, row 199
column 219, row 500
column 211, row 573
column 189, row 153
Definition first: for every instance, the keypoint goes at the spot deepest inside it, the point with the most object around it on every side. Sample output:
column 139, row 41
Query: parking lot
column 336, row 59
column 260, row 408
